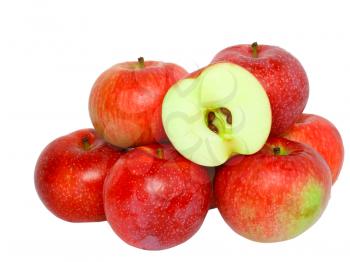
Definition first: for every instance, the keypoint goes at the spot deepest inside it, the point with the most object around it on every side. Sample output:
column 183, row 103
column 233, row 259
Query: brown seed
column 211, row 117
column 227, row 113
column 213, row 128
column 229, row 119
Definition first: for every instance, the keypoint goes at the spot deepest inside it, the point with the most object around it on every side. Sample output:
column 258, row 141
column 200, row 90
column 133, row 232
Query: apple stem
column 160, row 153
column 141, row 61
column 276, row 151
column 254, row 47
column 85, row 142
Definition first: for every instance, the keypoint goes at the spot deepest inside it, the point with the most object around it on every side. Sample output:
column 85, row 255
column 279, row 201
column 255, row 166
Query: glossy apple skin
column 281, row 74
column 156, row 203
column 323, row 136
column 268, row 198
column 125, row 102
column 69, row 177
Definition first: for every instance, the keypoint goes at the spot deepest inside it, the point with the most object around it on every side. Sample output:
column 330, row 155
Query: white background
column 51, row 52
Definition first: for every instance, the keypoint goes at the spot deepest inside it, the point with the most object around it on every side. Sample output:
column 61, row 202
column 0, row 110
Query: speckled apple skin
column 154, row 203
column 323, row 136
column 69, row 179
column 268, row 198
column 125, row 102
column 281, row 74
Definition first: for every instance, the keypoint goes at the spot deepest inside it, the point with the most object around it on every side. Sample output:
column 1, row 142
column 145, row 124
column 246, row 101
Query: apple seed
column 213, row 128
column 211, row 117
column 228, row 114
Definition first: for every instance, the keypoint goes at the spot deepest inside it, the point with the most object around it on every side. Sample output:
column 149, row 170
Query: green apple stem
column 85, row 142
column 160, row 153
column 141, row 62
column 276, row 151
column 219, row 121
column 254, row 47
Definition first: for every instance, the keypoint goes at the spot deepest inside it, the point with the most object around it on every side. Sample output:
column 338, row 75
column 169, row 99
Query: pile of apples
column 167, row 146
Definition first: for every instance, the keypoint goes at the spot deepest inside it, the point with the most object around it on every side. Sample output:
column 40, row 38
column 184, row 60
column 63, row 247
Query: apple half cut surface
column 215, row 113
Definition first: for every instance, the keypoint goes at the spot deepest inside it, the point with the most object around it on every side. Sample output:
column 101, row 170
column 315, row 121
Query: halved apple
column 216, row 113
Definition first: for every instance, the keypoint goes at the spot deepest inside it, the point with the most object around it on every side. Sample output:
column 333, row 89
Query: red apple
column 280, row 73
column 125, row 102
column 70, row 173
column 156, row 199
column 275, row 194
column 323, row 136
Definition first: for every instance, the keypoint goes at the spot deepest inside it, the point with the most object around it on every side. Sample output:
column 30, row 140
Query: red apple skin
column 268, row 198
column 125, row 102
column 155, row 198
column 323, row 136
column 281, row 74
column 70, row 173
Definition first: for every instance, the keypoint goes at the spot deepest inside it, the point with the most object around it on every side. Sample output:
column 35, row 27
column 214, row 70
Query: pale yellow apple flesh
column 223, row 112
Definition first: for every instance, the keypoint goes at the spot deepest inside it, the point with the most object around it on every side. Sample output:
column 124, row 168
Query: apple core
column 219, row 121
